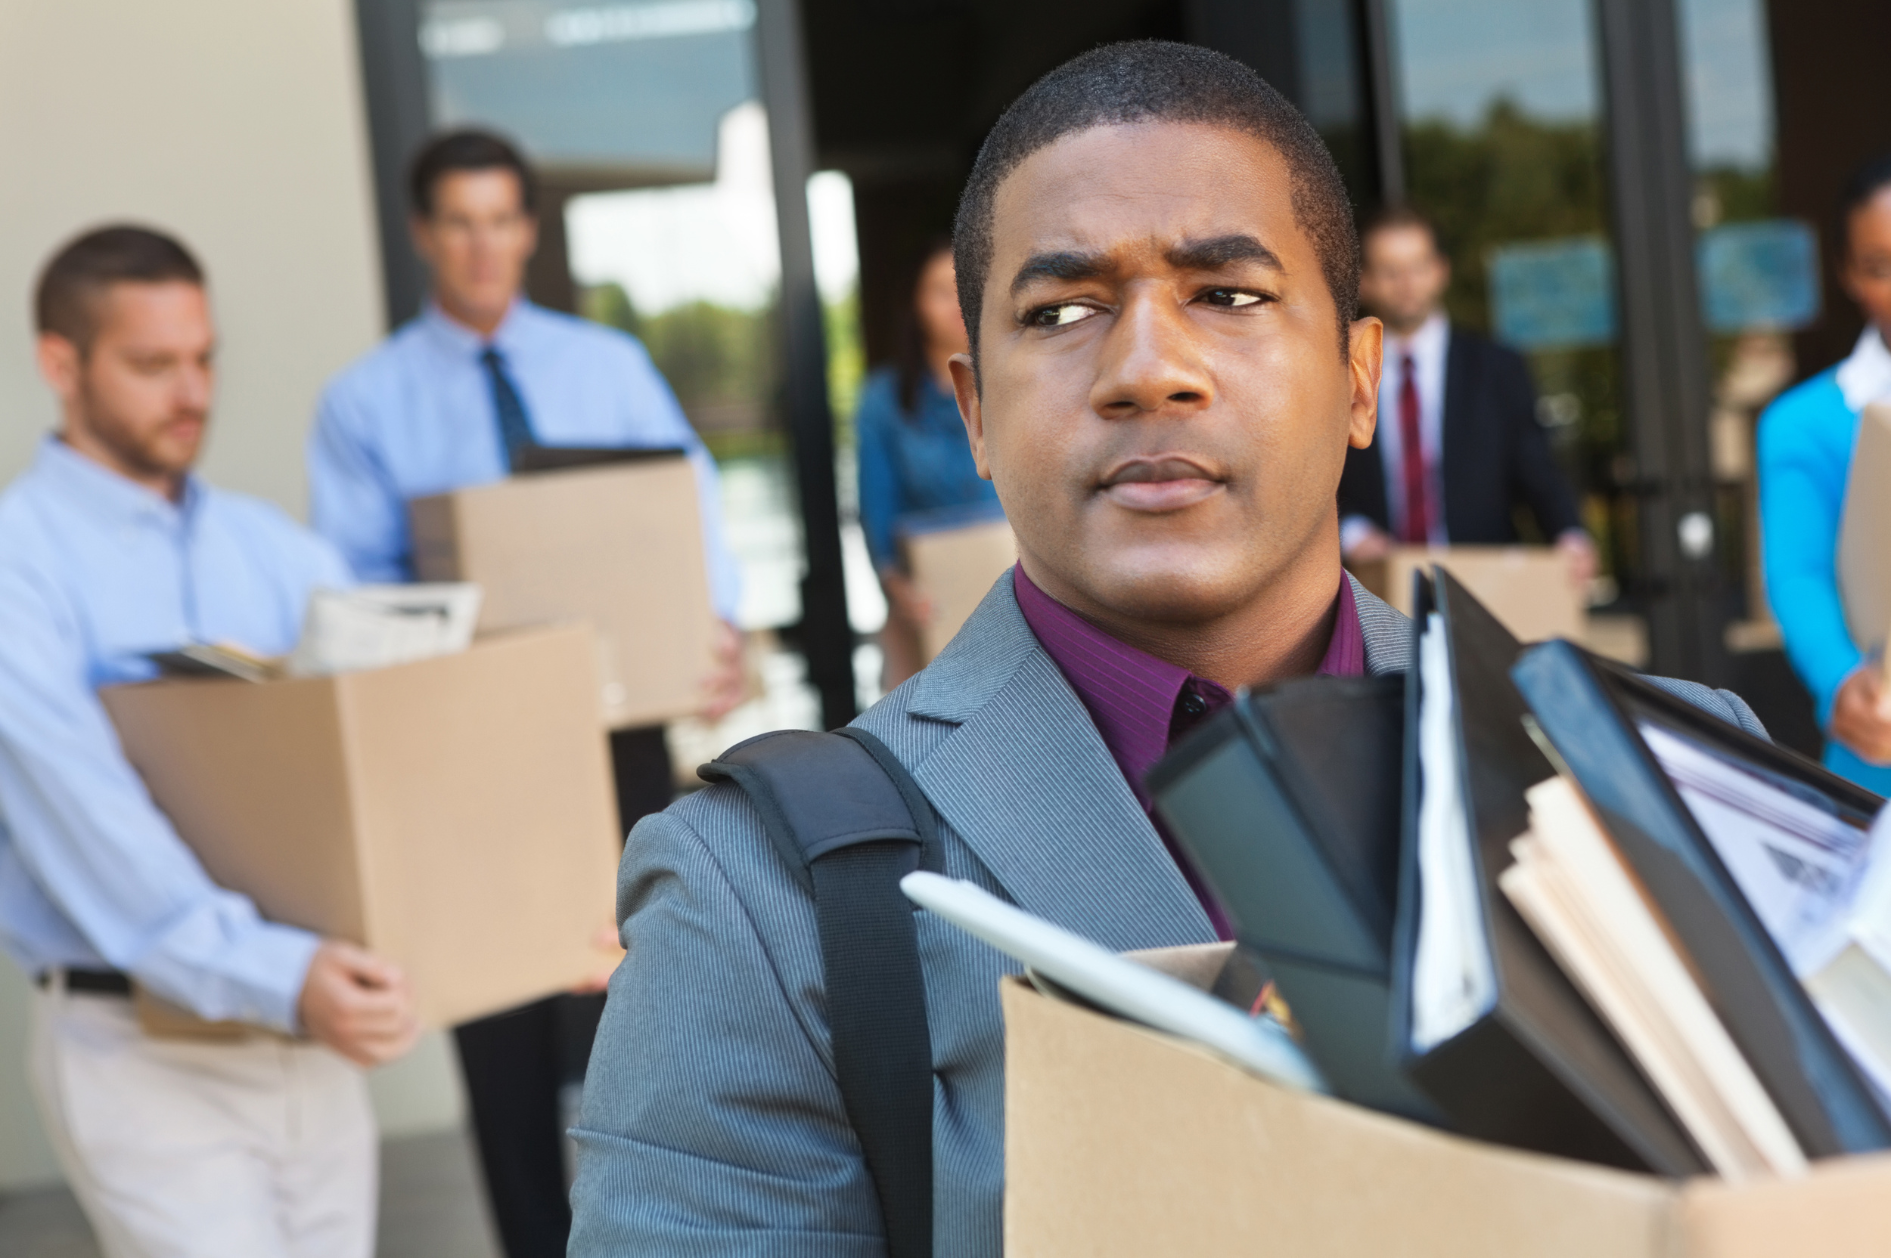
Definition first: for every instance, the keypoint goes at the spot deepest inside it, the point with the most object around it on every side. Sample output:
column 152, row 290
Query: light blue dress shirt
column 96, row 572
column 416, row 417
column 1805, row 458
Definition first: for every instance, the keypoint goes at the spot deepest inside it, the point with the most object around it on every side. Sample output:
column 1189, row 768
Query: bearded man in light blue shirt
column 450, row 400
column 111, row 550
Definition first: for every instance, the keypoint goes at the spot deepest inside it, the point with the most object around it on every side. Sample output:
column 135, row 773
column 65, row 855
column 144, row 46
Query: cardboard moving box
column 1526, row 587
column 1123, row 1141
column 1864, row 536
column 455, row 815
column 956, row 568
column 617, row 544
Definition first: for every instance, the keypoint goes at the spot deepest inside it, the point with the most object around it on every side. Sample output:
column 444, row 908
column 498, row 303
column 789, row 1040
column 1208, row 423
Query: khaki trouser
column 261, row 1147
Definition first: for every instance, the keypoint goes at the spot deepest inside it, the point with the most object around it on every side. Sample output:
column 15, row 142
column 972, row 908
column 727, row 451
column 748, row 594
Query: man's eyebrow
column 1218, row 252
column 1066, row 264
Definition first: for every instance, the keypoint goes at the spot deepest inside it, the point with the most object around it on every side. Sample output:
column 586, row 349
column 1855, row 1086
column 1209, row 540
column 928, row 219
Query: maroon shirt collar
column 1142, row 704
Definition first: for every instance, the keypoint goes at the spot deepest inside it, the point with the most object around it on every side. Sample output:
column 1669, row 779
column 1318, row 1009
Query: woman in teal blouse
column 915, row 460
column 1805, row 453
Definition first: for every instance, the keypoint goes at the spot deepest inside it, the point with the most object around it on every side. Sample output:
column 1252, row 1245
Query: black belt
column 94, row 982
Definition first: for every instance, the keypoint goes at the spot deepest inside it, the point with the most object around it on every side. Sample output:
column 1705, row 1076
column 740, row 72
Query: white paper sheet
column 1453, row 979
column 1118, row 984
column 379, row 626
column 1797, row 864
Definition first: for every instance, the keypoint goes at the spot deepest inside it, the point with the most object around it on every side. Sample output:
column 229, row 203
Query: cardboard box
column 1526, row 587
column 618, row 544
column 1864, row 536
column 956, row 568
column 1124, row 1141
column 455, row 814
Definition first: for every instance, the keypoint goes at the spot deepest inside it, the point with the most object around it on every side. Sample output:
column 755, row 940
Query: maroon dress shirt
column 1141, row 704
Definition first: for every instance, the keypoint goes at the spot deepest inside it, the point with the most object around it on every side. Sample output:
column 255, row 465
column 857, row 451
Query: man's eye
column 1059, row 316
column 1234, row 298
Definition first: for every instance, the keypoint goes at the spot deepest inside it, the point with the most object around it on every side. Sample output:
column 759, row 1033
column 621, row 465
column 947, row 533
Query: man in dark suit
column 1458, row 446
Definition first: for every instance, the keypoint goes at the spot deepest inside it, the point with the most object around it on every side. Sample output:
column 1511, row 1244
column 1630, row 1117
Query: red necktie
column 1415, row 528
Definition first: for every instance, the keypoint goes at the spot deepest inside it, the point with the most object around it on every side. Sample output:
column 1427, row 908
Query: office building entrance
column 1633, row 195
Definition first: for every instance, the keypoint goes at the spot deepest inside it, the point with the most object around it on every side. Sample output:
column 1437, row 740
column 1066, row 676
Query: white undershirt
column 1865, row 376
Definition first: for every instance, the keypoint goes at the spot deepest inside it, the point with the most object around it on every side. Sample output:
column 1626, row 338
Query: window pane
column 1501, row 109
column 1759, row 274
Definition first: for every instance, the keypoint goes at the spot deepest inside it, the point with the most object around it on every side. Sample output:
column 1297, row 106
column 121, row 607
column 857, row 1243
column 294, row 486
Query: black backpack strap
column 851, row 822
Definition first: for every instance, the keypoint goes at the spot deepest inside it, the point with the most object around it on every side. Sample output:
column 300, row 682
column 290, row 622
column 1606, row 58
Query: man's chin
column 169, row 459
column 1172, row 593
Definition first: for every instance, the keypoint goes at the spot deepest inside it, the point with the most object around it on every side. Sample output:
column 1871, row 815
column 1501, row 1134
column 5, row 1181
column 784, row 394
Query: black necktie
column 515, row 428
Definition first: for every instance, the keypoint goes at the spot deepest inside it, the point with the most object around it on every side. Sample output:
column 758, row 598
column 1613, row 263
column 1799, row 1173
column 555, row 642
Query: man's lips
column 1159, row 484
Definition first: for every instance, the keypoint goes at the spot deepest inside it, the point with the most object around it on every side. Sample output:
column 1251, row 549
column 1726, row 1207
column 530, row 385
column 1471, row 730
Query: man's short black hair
column 466, row 149
column 65, row 301
column 1157, row 81
column 1862, row 187
column 1391, row 218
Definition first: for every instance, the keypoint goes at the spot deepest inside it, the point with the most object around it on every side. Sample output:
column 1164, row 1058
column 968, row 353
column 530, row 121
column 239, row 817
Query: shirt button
column 1193, row 704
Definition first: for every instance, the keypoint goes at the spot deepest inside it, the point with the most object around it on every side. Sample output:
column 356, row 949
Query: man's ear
column 971, row 408
column 1365, row 355
column 60, row 364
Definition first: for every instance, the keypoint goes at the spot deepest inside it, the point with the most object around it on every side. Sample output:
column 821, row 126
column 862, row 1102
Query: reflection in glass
column 1501, row 107
column 1759, row 276
column 616, row 89
column 643, row 119
column 692, row 271
column 1326, row 44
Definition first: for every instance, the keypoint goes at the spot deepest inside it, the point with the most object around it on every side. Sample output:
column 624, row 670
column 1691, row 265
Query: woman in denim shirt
column 914, row 457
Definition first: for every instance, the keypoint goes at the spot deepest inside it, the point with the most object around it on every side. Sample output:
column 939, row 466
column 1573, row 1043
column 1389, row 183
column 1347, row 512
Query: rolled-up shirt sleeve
column 82, row 825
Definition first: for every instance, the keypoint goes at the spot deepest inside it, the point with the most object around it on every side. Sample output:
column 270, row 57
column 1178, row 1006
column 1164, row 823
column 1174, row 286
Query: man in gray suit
column 1157, row 265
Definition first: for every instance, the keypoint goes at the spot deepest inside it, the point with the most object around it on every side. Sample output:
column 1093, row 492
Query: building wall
column 239, row 126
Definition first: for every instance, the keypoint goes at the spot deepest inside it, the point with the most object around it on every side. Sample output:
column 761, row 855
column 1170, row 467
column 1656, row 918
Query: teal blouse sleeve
column 1805, row 450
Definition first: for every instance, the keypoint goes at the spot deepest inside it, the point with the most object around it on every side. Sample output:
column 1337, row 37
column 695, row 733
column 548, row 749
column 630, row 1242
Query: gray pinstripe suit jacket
column 712, row 1124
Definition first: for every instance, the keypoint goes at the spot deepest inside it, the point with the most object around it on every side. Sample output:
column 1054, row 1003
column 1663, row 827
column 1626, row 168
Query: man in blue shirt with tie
column 448, row 401
column 111, row 550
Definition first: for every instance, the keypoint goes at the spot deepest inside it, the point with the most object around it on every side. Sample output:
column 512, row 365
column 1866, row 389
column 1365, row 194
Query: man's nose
column 1153, row 361
column 193, row 387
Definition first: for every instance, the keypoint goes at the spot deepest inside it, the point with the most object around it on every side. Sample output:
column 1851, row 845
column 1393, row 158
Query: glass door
column 1501, row 119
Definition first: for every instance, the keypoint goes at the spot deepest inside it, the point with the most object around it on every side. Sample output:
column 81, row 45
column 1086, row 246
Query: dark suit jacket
column 1495, row 453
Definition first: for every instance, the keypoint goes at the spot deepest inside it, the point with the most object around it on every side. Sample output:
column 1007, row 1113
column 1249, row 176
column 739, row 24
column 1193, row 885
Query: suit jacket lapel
column 1026, row 781
column 1453, row 434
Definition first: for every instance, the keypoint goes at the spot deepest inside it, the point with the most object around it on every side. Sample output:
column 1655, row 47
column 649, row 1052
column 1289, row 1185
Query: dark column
column 826, row 635
column 394, row 75
column 1259, row 32
column 1827, row 55
column 1664, row 345
column 548, row 276
column 1382, row 103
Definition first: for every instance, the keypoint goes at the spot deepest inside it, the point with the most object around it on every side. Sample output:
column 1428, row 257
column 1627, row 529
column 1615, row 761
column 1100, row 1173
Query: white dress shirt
column 1428, row 347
